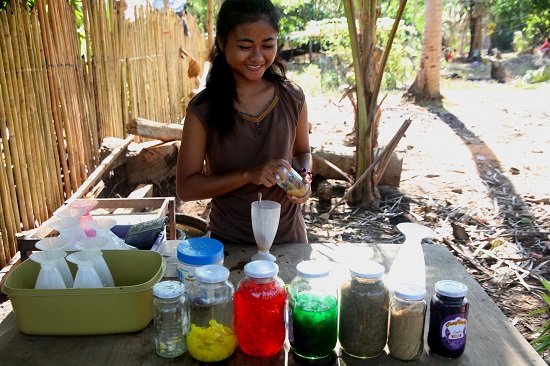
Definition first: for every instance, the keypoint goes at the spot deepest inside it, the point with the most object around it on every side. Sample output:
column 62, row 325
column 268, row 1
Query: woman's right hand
column 264, row 174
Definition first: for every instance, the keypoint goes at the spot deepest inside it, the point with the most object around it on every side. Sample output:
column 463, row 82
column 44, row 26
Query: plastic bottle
column 313, row 311
column 364, row 307
column 211, row 337
column 171, row 318
column 259, row 309
column 448, row 319
column 409, row 265
column 407, row 316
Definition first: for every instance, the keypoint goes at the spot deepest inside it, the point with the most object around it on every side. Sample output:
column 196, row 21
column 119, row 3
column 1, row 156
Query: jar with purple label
column 448, row 319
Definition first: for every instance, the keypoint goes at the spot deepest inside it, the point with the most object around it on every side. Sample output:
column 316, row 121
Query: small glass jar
column 211, row 337
column 364, row 307
column 407, row 316
column 293, row 184
column 171, row 318
column 313, row 311
column 448, row 319
column 194, row 253
column 259, row 309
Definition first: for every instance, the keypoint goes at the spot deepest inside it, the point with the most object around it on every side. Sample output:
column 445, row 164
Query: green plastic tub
column 127, row 307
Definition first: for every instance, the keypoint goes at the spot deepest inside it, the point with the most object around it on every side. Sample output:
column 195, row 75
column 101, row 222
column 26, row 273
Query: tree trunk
column 426, row 84
column 362, row 16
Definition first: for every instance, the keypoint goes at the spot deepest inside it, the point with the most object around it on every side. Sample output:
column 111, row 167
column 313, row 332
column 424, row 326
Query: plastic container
column 211, row 337
column 194, row 253
column 293, row 184
column 364, row 311
column 313, row 311
column 260, row 309
column 171, row 318
column 448, row 319
column 407, row 316
column 128, row 307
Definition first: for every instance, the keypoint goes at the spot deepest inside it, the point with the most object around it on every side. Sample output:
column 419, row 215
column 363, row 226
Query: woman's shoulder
column 292, row 89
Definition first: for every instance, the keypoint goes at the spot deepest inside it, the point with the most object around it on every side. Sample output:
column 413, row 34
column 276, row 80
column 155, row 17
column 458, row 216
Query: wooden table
column 492, row 340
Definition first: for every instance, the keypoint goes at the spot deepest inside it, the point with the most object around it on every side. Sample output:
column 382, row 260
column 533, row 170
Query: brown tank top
column 256, row 140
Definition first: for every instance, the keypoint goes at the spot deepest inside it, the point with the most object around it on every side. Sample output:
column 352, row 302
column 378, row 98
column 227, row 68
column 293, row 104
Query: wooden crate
column 135, row 210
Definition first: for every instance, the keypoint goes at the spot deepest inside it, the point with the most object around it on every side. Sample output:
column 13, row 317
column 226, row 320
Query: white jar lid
column 211, row 273
column 261, row 269
column 313, row 269
column 168, row 289
column 451, row 288
column 367, row 269
column 409, row 291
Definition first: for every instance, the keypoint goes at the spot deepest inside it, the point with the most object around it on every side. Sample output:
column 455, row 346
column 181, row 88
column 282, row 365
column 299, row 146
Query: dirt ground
column 475, row 170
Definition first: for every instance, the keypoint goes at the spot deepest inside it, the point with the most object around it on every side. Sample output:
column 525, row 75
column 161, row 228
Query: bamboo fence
column 62, row 93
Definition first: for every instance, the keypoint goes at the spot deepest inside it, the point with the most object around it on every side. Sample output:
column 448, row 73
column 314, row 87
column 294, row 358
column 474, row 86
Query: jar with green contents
column 407, row 315
column 364, row 308
column 313, row 311
column 211, row 337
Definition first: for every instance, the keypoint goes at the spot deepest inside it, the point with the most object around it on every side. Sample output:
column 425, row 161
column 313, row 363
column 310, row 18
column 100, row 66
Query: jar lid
column 409, row 291
column 451, row 288
column 168, row 289
column 368, row 269
column 211, row 273
column 200, row 251
column 261, row 269
column 313, row 269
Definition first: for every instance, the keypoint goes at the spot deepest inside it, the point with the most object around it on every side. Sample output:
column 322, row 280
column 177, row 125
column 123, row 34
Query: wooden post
column 210, row 24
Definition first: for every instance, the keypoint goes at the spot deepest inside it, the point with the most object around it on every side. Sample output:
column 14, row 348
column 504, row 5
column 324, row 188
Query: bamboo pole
column 8, row 128
column 17, row 150
column 30, row 138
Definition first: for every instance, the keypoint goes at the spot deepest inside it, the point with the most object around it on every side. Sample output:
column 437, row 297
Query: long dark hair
column 220, row 88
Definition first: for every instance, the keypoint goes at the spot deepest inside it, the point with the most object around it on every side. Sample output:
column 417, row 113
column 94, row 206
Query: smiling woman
column 249, row 124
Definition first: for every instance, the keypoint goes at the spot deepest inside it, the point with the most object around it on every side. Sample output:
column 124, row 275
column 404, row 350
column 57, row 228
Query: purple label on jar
column 453, row 331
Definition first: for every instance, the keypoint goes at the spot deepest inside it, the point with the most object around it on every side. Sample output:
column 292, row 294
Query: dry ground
column 475, row 169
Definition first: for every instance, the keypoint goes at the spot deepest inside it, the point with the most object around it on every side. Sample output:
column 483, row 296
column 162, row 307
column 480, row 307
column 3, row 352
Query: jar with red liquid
column 259, row 309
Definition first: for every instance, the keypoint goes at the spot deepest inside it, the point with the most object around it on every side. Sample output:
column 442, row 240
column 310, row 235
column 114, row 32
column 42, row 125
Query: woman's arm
column 301, row 153
column 192, row 184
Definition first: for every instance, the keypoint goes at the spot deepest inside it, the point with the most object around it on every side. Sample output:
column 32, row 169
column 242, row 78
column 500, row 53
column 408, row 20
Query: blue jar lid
column 200, row 251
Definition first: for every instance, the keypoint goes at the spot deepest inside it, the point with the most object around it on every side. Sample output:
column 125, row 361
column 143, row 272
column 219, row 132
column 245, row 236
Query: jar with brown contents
column 293, row 184
column 364, row 311
column 407, row 315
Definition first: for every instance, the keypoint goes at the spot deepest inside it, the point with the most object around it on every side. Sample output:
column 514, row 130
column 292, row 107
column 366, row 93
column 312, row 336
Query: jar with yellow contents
column 211, row 336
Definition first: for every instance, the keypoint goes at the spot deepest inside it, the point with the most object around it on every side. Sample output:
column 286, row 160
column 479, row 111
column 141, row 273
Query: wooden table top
column 492, row 340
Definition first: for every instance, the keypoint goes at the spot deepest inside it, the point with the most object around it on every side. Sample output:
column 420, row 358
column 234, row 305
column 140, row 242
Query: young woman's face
column 250, row 49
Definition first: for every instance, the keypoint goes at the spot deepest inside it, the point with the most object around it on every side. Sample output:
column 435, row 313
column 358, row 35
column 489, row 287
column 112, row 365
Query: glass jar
column 259, row 309
column 211, row 337
column 313, row 311
column 293, row 184
column 407, row 316
column 448, row 319
column 364, row 307
column 171, row 318
column 194, row 253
